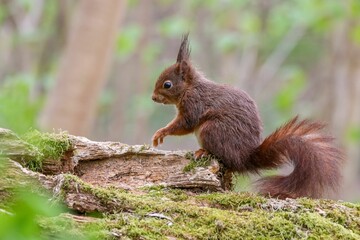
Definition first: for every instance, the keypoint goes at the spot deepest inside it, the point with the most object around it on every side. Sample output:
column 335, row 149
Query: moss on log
column 158, row 211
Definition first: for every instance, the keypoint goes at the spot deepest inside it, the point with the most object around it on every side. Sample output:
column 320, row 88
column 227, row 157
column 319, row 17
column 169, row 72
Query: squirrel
column 227, row 124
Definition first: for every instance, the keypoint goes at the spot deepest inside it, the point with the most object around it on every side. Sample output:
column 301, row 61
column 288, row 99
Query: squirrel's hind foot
column 201, row 153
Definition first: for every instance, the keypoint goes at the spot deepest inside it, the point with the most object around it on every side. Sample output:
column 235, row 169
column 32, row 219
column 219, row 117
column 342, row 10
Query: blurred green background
column 89, row 66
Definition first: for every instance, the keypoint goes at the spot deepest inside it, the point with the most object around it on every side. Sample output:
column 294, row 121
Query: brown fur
column 226, row 123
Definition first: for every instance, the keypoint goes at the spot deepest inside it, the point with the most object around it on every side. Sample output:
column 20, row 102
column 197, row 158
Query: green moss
column 221, row 215
column 233, row 201
column 189, row 155
column 49, row 146
column 144, row 147
column 306, row 202
column 169, row 193
column 202, row 162
column 153, row 188
column 12, row 180
column 177, row 195
column 316, row 225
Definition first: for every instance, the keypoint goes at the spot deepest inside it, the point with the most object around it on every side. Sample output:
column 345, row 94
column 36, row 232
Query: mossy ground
column 202, row 216
column 219, row 215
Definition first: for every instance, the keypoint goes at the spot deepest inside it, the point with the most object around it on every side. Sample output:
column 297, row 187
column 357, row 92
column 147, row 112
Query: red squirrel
column 226, row 123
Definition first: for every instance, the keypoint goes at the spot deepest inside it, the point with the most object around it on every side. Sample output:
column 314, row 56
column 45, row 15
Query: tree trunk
column 73, row 100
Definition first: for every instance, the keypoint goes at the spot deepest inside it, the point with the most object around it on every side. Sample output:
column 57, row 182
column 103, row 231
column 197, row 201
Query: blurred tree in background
column 72, row 102
column 292, row 56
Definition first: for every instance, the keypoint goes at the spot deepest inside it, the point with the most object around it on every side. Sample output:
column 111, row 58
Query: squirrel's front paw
column 159, row 137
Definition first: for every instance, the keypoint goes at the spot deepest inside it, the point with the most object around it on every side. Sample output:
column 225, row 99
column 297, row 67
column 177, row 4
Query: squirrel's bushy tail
column 316, row 161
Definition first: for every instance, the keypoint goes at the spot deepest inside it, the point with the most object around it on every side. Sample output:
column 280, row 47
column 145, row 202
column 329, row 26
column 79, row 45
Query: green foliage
column 25, row 209
column 355, row 34
column 49, row 145
column 3, row 14
column 50, row 17
column 353, row 134
column 128, row 40
column 251, row 23
column 151, row 52
column 32, row 216
column 62, row 228
column 228, row 42
column 354, row 8
column 18, row 111
column 174, row 25
column 287, row 96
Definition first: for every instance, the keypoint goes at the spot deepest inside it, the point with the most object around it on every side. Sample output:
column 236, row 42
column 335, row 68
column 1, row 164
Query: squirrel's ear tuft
column 184, row 51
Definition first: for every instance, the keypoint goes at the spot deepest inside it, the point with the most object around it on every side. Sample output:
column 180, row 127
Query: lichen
column 49, row 146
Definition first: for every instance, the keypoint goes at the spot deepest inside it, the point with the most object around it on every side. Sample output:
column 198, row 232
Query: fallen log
column 117, row 164
column 157, row 213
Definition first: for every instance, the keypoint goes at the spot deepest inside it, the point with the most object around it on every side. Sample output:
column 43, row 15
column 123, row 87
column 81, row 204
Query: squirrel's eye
column 167, row 84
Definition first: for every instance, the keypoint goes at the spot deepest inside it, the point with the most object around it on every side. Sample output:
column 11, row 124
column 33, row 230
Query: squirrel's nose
column 153, row 97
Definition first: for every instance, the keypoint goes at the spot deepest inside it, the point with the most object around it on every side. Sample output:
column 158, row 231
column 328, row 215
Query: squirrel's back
column 229, row 124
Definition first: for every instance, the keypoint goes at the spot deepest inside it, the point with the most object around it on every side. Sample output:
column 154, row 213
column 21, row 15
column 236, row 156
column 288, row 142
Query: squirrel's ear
column 183, row 69
column 184, row 50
